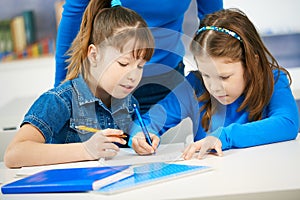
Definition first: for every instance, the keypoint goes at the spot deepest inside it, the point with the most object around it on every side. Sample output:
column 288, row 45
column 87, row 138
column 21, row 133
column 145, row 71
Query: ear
column 92, row 54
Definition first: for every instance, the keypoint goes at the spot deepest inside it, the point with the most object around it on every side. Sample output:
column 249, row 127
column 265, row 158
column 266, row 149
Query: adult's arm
column 206, row 7
column 67, row 31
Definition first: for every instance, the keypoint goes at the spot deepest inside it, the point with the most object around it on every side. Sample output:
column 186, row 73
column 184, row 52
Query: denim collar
column 83, row 92
column 85, row 96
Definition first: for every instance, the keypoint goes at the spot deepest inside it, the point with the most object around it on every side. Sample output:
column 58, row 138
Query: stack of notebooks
column 106, row 180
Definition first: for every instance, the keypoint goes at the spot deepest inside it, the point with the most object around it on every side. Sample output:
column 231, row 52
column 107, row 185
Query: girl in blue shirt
column 106, row 65
column 165, row 18
column 242, row 96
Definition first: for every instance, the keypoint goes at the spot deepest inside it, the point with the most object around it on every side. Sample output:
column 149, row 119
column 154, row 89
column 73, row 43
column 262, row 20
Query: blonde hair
column 257, row 61
column 100, row 23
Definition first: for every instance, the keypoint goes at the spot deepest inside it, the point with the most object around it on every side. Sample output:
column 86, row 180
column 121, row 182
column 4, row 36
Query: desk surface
column 269, row 171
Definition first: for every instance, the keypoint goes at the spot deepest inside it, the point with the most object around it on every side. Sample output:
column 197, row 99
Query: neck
column 99, row 92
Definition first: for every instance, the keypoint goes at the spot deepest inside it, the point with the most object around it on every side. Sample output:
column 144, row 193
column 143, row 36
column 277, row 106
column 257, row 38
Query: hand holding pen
column 144, row 143
column 101, row 144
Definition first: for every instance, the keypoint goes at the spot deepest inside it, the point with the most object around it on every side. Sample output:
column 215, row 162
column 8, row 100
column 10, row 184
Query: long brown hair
column 100, row 23
column 257, row 61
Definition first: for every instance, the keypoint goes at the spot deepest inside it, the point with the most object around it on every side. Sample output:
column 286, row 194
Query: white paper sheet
column 126, row 156
column 165, row 153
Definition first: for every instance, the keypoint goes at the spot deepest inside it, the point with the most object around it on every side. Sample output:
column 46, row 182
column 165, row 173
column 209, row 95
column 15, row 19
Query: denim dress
column 58, row 111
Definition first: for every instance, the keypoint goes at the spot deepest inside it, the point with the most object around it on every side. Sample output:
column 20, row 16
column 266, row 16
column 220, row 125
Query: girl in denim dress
column 105, row 66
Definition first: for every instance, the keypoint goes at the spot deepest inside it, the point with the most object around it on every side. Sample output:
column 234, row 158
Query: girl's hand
column 140, row 145
column 101, row 144
column 203, row 146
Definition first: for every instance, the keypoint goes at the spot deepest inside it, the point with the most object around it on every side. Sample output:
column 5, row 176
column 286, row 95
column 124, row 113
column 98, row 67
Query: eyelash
column 124, row 65
column 221, row 77
column 224, row 77
column 204, row 75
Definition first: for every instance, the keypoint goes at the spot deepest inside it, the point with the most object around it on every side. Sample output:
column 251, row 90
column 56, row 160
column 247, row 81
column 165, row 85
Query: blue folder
column 64, row 180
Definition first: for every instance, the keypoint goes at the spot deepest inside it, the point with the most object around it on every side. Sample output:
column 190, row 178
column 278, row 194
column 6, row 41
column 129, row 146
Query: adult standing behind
column 165, row 70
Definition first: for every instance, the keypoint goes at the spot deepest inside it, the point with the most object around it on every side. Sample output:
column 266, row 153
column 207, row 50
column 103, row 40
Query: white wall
column 29, row 77
column 270, row 16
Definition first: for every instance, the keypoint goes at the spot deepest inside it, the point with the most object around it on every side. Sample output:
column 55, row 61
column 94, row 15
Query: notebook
column 148, row 174
column 68, row 180
column 105, row 180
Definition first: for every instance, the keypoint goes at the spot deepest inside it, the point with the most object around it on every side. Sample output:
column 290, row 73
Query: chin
column 120, row 96
column 225, row 102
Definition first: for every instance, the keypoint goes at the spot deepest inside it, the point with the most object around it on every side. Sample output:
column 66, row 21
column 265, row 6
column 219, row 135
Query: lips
column 127, row 87
column 221, row 97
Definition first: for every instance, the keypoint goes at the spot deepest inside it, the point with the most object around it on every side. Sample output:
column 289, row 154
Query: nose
column 130, row 78
column 216, row 85
column 133, row 75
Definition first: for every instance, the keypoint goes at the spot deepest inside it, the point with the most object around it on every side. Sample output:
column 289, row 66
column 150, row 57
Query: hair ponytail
column 79, row 47
column 114, row 25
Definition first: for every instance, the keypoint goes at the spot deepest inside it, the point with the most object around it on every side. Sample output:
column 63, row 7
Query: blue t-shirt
column 58, row 111
column 164, row 17
column 279, row 121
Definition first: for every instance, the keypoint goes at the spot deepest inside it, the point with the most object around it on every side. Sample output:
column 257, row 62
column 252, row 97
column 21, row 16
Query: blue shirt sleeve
column 169, row 112
column 206, row 7
column 67, row 31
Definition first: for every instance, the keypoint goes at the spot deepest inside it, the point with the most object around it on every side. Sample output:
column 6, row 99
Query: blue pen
column 142, row 124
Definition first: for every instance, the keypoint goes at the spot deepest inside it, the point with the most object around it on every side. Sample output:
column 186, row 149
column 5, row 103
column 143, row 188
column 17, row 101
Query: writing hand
column 203, row 146
column 140, row 145
column 101, row 144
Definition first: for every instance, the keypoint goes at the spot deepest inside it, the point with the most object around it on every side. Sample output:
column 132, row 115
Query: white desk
column 264, row 172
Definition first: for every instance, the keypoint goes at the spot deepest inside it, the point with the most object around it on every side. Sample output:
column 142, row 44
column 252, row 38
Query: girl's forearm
column 29, row 153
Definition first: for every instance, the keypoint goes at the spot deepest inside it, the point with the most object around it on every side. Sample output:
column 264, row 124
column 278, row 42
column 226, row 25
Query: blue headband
column 116, row 3
column 221, row 30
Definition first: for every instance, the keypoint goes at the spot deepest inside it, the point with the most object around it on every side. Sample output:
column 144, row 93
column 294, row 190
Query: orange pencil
column 94, row 130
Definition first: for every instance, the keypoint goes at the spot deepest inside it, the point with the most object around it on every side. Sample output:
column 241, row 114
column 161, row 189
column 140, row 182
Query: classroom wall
column 269, row 16
column 29, row 77
column 43, row 10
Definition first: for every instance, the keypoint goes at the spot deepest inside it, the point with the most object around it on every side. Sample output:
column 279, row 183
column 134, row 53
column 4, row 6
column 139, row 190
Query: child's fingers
column 147, row 149
column 113, row 135
column 111, row 139
column 112, row 132
column 155, row 141
column 186, row 150
column 140, row 146
column 218, row 148
column 109, row 149
column 207, row 147
column 189, row 152
column 203, row 151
